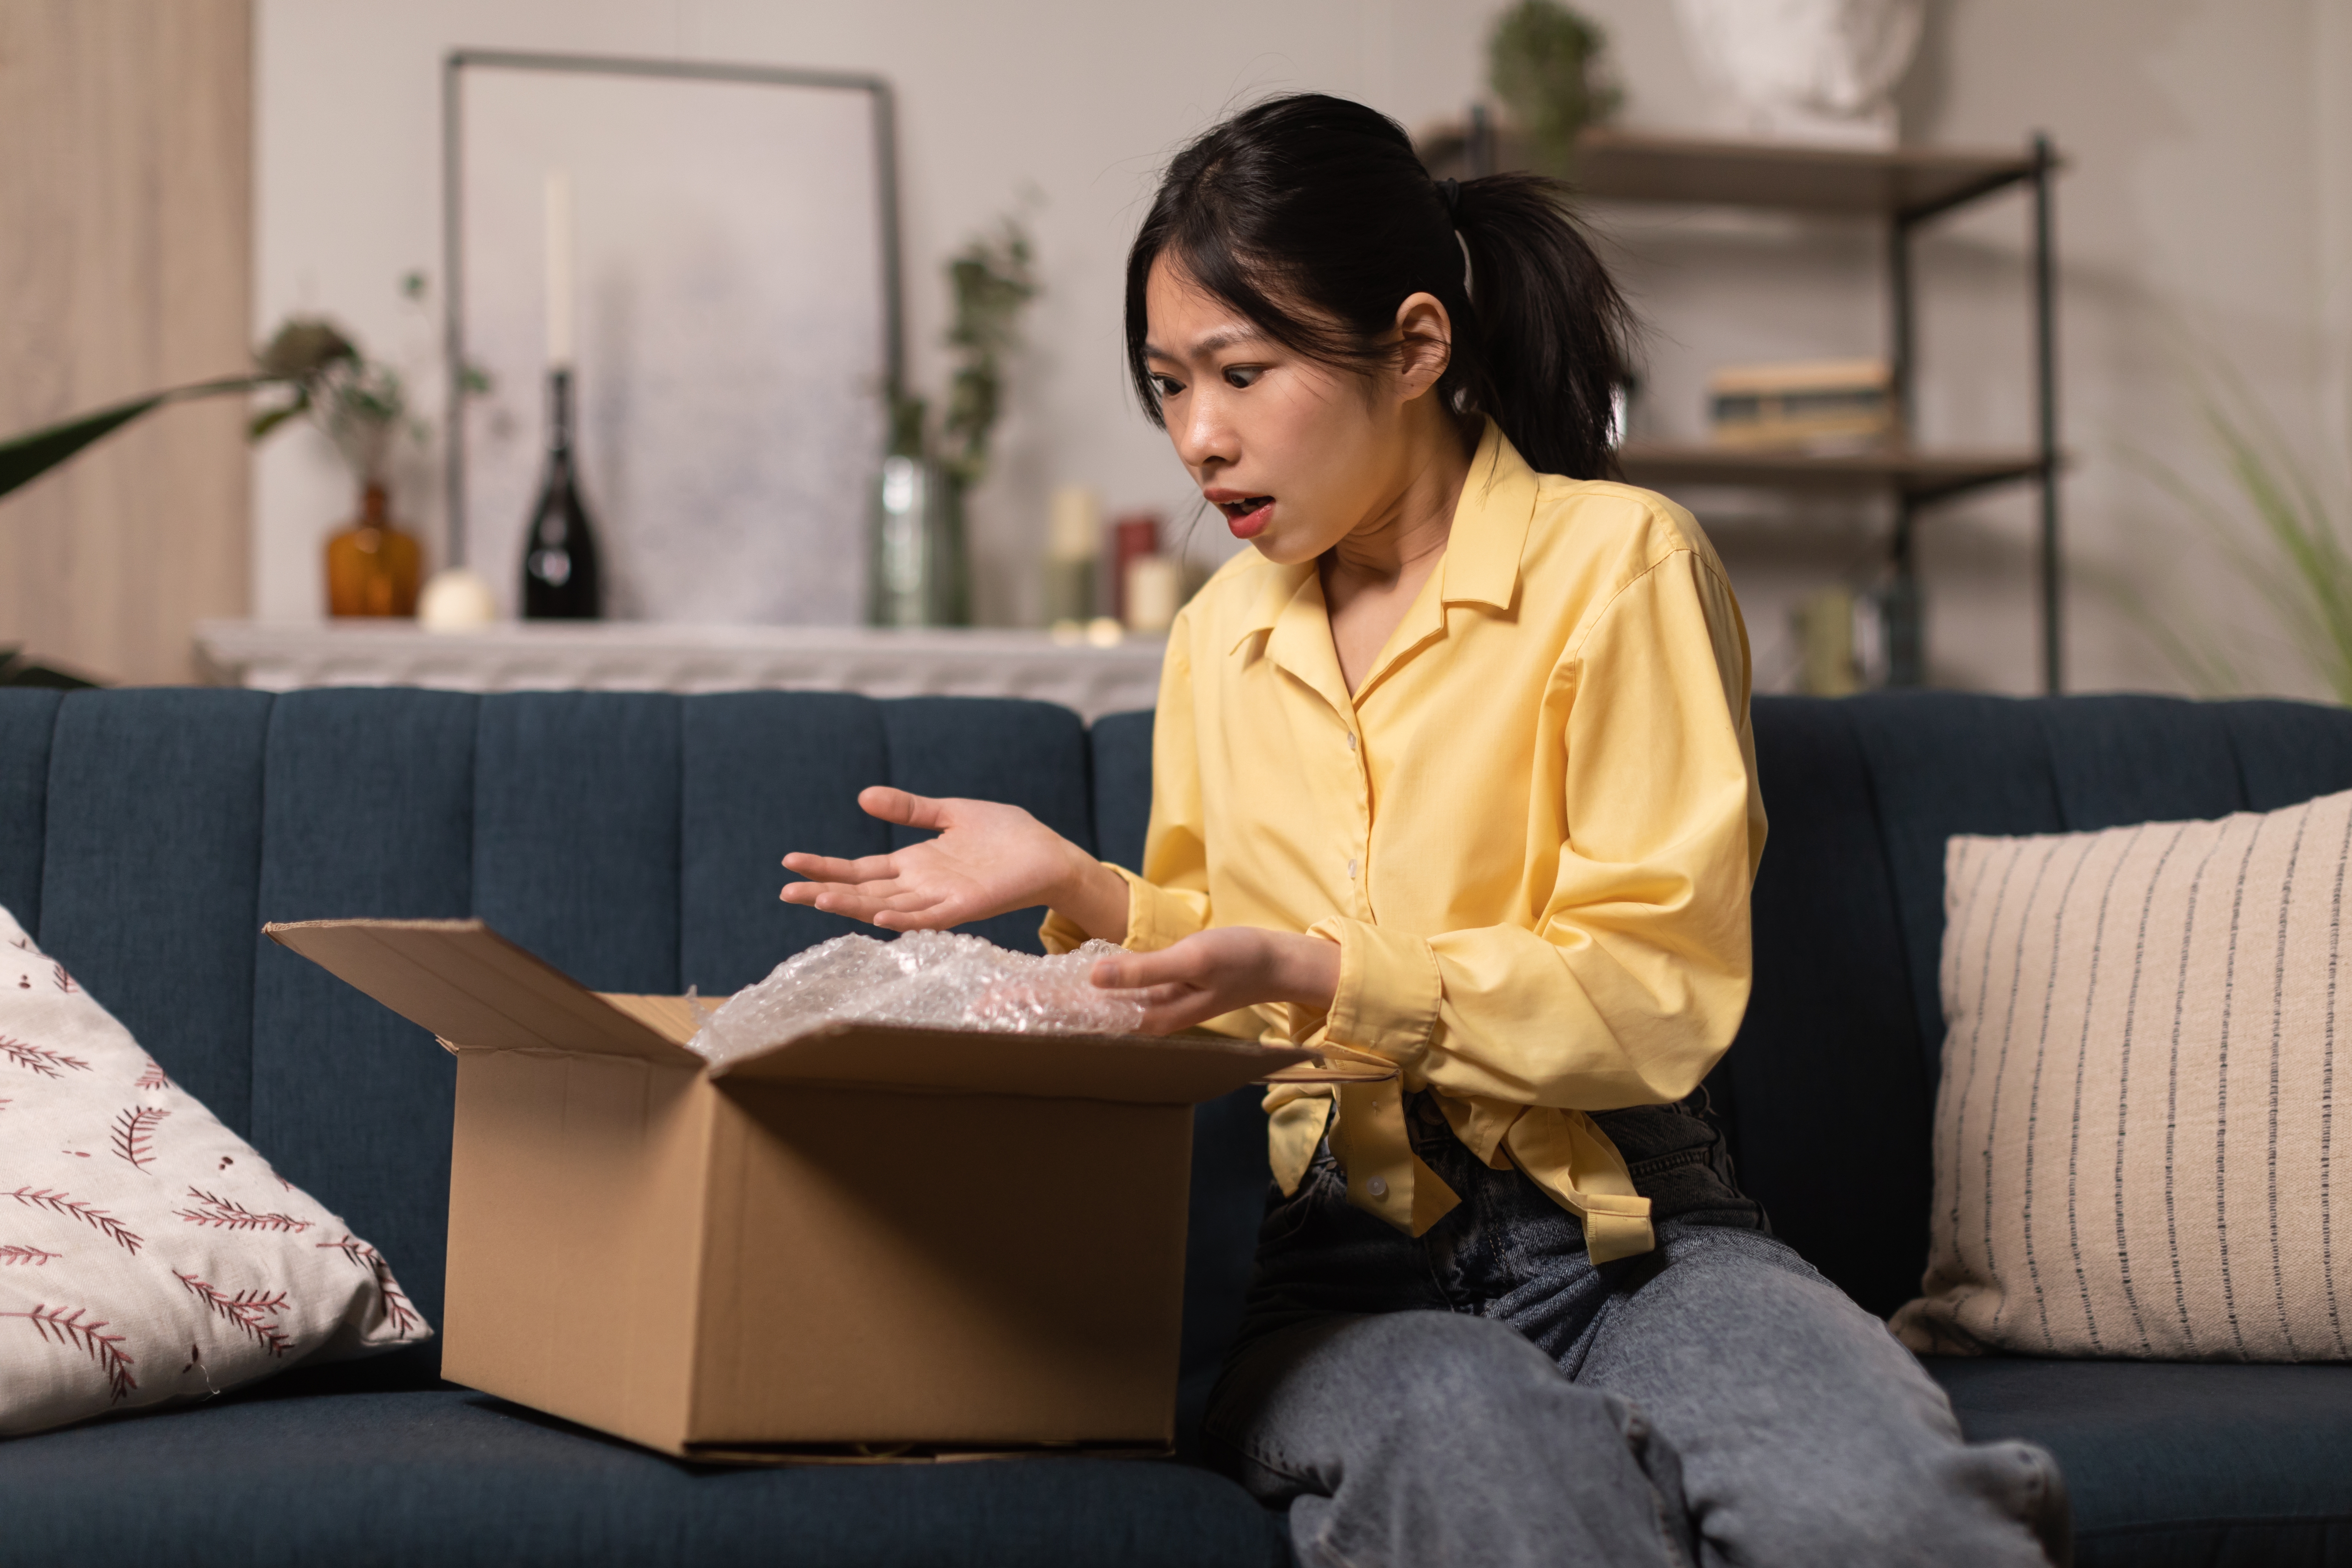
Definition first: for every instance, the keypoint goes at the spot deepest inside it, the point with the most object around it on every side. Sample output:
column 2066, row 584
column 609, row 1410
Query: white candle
column 1155, row 591
column 559, row 269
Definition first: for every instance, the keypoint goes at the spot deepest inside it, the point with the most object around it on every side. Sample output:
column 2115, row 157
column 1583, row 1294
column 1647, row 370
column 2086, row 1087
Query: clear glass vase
column 916, row 571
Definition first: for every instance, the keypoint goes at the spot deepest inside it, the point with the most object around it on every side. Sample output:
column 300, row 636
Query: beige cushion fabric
column 147, row 1253
column 2141, row 1137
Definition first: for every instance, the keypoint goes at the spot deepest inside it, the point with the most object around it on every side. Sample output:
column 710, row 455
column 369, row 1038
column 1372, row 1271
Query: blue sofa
column 633, row 840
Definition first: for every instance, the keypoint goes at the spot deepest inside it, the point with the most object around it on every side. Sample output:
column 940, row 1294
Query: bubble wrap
column 935, row 979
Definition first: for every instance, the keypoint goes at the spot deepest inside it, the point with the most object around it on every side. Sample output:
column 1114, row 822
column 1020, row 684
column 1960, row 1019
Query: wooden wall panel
column 125, row 237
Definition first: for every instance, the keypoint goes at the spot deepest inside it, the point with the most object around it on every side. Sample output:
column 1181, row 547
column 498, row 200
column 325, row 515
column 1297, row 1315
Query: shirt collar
column 1481, row 564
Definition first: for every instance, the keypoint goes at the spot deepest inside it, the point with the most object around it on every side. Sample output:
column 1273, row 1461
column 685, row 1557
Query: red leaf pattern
column 398, row 1309
column 58, row 1326
column 45, row 1062
column 248, row 1286
column 57, row 1202
column 250, row 1311
column 134, row 1134
column 225, row 1214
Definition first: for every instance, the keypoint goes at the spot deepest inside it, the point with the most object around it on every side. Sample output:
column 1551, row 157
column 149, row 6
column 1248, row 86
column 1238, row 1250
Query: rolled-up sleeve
column 1630, row 981
column 1167, row 900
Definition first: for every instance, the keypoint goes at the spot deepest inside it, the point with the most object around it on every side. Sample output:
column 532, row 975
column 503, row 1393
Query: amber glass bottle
column 371, row 566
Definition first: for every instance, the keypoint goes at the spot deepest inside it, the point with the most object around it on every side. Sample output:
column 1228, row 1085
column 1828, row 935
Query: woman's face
column 1295, row 454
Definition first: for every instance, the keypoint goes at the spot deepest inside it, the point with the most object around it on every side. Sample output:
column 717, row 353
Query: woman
column 1454, row 768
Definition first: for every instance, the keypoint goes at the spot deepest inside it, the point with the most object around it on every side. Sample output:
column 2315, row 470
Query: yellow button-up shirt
column 1532, row 829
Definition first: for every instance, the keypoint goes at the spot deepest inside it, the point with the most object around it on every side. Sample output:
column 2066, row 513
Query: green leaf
column 16, row 670
column 270, row 419
column 23, row 458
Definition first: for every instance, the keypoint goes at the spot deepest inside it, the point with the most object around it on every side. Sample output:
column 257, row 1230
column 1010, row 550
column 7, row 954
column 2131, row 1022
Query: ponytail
column 1313, row 217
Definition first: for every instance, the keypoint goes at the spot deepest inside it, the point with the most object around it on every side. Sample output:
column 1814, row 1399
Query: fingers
column 887, row 904
column 898, row 806
column 1163, row 966
column 1168, row 1008
column 825, row 868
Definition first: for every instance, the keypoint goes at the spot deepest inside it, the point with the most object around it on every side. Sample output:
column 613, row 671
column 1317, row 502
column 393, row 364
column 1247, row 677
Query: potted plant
column 918, row 570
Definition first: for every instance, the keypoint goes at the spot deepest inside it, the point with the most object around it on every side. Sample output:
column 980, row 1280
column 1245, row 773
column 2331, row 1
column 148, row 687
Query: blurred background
column 181, row 178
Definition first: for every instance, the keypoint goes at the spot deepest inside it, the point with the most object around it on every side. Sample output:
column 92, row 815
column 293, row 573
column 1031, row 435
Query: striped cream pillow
column 2138, row 1144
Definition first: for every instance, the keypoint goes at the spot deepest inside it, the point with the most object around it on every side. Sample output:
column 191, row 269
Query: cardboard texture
column 864, row 1240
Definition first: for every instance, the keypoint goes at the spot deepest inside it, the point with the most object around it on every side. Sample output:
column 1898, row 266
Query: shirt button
column 1352, row 870
column 1378, row 1186
column 1352, row 740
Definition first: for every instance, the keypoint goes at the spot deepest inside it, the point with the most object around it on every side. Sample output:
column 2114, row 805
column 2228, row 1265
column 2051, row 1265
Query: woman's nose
column 1204, row 437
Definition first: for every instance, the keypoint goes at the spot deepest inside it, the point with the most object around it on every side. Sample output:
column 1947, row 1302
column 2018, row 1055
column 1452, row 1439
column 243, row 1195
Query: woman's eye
column 1243, row 375
column 1167, row 386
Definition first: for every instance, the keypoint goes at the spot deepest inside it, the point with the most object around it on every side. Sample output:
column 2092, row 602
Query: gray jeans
column 1487, row 1395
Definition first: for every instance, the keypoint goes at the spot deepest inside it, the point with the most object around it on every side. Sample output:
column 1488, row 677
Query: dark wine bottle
column 560, row 580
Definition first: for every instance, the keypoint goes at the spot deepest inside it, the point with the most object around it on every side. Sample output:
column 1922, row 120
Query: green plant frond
column 269, row 419
column 303, row 348
column 2307, row 573
column 2288, row 511
column 26, row 457
column 990, row 281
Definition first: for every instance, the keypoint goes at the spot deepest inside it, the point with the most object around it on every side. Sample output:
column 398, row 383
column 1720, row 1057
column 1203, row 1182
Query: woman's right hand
column 988, row 859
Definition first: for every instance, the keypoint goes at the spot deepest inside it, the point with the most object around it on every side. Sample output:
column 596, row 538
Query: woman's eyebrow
column 1222, row 338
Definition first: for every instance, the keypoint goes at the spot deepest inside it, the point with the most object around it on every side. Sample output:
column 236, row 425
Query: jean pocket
column 1286, row 1216
column 1677, row 1160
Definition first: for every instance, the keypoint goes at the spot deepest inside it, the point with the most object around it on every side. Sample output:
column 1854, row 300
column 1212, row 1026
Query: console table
column 641, row 656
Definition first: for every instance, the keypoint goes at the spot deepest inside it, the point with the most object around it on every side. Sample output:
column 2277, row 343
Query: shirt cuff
column 1389, row 990
column 1154, row 920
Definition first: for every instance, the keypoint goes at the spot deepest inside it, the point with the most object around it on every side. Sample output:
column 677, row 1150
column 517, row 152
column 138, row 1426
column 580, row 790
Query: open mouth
column 1248, row 516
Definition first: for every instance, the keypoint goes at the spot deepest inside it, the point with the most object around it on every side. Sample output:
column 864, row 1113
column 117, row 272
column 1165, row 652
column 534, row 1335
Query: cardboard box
column 865, row 1239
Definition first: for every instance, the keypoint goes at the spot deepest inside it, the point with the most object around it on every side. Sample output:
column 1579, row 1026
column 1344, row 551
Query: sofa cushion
column 2178, row 1466
column 147, row 1253
column 29, row 718
column 2132, row 1137
column 461, row 1480
column 1029, row 754
column 366, row 807
column 763, row 773
column 151, row 871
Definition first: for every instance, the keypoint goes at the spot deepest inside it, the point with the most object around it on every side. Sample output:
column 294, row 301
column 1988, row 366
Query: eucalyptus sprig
column 991, row 279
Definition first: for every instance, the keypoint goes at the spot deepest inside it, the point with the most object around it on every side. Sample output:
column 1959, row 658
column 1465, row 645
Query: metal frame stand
column 1904, row 605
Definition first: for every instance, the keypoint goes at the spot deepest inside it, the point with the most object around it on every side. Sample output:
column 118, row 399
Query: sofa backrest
column 633, row 840
column 630, row 839
column 1829, row 1090
column 1830, row 1087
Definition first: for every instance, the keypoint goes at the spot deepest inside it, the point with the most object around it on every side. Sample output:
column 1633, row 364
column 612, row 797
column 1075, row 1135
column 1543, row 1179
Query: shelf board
column 1921, row 475
column 1632, row 166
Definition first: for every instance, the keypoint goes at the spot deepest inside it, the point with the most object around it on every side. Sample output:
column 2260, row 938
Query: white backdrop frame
column 733, row 554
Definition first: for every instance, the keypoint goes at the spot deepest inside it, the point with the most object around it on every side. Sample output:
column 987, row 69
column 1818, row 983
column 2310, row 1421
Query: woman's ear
column 1426, row 344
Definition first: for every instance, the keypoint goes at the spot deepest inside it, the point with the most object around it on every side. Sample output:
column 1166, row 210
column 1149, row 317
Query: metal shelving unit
column 1905, row 187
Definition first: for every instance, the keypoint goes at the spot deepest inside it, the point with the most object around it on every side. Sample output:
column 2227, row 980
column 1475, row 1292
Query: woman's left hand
column 1224, row 970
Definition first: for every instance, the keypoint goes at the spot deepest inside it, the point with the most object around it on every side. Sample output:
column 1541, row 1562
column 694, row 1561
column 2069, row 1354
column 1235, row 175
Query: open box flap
column 478, row 991
column 474, row 989
column 1148, row 1070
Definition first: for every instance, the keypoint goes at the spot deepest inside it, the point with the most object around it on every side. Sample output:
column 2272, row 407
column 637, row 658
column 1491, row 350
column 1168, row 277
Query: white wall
column 2205, row 200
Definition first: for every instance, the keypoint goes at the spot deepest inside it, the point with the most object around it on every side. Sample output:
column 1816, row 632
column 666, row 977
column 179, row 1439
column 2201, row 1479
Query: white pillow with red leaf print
column 147, row 1253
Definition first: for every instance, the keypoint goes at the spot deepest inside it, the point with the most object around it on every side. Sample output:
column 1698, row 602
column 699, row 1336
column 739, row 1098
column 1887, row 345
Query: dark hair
column 1313, row 218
